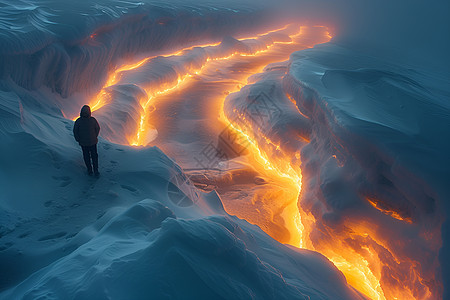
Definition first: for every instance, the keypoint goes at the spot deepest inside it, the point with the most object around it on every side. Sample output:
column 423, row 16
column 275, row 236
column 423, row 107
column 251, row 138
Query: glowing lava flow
column 140, row 136
column 138, row 140
column 355, row 267
column 100, row 101
column 113, row 78
column 362, row 269
column 102, row 97
column 389, row 212
column 284, row 173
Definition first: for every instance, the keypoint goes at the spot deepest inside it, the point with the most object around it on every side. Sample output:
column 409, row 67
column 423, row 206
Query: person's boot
column 89, row 171
column 95, row 161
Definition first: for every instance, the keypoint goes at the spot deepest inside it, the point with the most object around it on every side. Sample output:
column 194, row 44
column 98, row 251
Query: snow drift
column 369, row 137
column 72, row 49
column 145, row 251
column 369, row 134
column 142, row 228
column 176, row 243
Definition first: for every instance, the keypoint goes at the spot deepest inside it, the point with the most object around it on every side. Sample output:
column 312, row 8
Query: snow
column 141, row 229
column 370, row 122
column 366, row 129
column 145, row 250
column 124, row 234
column 67, row 48
column 388, row 125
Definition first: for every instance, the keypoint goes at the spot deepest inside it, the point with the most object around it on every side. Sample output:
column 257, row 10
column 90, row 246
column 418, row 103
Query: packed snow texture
column 366, row 129
column 72, row 49
column 142, row 228
column 389, row 122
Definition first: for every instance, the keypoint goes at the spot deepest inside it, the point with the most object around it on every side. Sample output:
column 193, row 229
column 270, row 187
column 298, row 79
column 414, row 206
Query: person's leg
column 94, row 156
column 87, row 158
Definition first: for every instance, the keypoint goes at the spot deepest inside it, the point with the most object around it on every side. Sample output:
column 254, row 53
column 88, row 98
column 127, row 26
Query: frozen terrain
column 365, row 131
column 243, row 155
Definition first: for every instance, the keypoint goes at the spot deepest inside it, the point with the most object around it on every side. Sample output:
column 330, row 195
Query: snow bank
column 371, row 139
column 70, row 49
column 382, row 124
column 132, row 89
column 72, row 236
column 145, row 251
column 66, row 235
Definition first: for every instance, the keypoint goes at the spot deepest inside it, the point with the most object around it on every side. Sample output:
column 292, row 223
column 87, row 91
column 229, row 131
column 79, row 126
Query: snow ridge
column 72, row 50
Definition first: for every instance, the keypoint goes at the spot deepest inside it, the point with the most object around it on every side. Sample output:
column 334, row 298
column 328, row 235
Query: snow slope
column 369, row 131
column 70, row 48
column 140, row 230
column 388, row 126
column 371, row 135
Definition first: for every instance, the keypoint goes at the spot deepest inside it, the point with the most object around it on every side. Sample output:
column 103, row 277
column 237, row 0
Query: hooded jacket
column 86, row 128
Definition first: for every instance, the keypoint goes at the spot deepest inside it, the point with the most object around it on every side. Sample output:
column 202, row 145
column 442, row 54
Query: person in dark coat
column 85, row 131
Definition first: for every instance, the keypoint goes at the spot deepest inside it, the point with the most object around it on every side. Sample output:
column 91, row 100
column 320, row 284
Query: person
column 85, row 132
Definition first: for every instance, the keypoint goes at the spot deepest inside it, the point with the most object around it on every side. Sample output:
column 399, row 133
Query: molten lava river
column 183, row 108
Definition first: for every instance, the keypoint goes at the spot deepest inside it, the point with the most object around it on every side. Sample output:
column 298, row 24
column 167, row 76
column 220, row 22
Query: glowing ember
column 392, row 213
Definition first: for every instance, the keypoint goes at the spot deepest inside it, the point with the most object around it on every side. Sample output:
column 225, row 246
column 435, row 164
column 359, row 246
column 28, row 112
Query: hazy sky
column 414, row 30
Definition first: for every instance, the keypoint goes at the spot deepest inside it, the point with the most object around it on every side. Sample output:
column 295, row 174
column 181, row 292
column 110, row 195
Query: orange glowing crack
column 361, row 276
column 101, row 98
column 296, row 107
column 274, row 30
column 361, row 271
column 355, row 267
column 293, row 223
column 391, row 213
column 139, row 140
column 116, row 74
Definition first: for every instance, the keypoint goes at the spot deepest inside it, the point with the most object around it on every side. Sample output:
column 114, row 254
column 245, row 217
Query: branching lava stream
column 193, row 101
